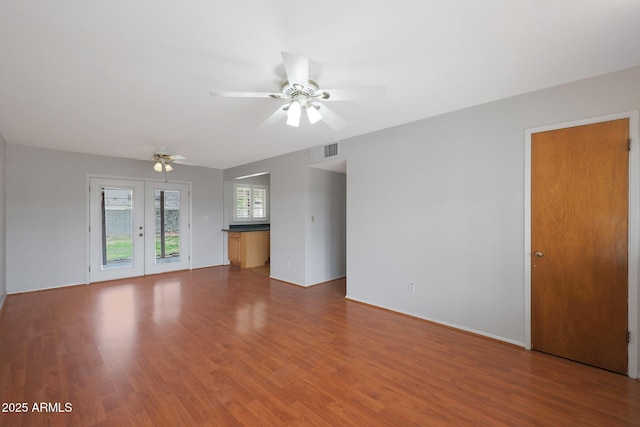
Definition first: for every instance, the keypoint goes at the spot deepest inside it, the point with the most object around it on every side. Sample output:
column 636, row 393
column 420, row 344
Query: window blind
column 243, row 201
column 259, row 202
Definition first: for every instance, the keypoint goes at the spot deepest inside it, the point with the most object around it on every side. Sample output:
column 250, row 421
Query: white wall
column 46, row 206
column 440, row 203
column 326, row 226
column 3, row 264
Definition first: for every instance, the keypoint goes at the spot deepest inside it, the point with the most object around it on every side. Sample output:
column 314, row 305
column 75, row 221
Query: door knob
column 538, row 254
column 140, row 234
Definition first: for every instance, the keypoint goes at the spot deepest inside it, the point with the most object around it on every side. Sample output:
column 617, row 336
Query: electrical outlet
column 412, row 288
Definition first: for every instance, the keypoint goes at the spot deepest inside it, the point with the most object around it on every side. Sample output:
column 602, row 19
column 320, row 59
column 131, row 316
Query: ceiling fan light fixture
column 293, row 114
column 313, row 114
column 162, row 162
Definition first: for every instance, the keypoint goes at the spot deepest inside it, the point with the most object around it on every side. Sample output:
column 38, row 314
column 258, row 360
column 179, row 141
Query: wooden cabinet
column 249, row 249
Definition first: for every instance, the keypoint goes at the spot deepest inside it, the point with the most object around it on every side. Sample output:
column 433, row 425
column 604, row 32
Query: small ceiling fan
column 162, row 161
column 302, row 93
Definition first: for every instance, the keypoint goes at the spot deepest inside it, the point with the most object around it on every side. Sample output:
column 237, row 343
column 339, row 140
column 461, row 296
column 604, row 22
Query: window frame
column 252, row 202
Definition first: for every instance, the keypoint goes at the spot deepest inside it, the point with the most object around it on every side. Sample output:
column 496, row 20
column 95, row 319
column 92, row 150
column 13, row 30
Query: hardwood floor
column 221, row 346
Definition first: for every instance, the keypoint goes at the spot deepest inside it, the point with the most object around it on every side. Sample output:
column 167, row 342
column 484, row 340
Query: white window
column 250, row 203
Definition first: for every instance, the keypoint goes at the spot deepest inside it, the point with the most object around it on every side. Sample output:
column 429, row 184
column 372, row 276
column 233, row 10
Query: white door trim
column 634, row 227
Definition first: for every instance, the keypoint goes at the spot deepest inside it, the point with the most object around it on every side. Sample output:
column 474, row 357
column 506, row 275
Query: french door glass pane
column 167, row 235
column 117, row 227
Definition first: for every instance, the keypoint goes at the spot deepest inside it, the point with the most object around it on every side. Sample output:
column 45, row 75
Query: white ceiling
column 121, row 78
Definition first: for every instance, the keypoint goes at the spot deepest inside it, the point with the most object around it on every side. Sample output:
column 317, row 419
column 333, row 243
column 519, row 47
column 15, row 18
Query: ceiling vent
column 331, row 150
column 320, row 153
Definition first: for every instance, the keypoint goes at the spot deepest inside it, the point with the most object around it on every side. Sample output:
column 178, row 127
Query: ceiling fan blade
column 364, row 93
column 182, row 162
column 227, row 94
column 177, row 157
column 297, row 68
column 278, row 115
column 333, row 120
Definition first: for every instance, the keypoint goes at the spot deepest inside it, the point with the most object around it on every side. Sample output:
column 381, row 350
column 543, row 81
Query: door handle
column 140, row 234
column 538, row 254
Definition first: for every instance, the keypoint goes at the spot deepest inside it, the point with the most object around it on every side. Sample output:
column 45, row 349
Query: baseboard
column 28, row 291
column 286, row 282
column 327, row 281
column 444, row 324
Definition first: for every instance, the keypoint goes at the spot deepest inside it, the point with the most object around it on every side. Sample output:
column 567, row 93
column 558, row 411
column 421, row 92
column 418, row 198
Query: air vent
column 331, row 150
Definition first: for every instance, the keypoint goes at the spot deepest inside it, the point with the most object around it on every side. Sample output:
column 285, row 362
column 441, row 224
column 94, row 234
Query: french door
column 137, row 228
column 167, row 223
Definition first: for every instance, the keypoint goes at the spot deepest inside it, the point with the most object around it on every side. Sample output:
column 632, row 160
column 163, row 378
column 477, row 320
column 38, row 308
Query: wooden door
column 579, row 232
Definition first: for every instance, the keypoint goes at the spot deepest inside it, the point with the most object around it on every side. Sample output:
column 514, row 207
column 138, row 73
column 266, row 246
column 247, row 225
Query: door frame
column 87, row 216
column 633, row 348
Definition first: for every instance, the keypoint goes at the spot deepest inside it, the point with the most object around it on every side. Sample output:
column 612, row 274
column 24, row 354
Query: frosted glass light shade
column 293, row 115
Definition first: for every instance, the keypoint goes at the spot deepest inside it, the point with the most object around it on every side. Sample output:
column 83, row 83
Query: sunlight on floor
column 167, row 301
column 251, row 317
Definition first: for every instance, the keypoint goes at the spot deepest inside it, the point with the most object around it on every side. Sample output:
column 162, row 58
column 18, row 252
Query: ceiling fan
column 162, row 161
column 303, row 94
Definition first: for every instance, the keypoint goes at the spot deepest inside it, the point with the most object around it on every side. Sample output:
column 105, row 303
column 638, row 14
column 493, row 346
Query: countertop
column 247, row 228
